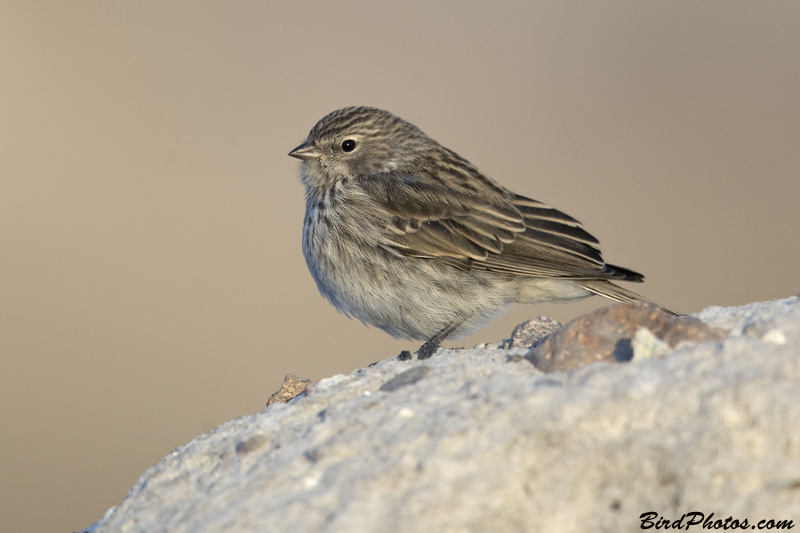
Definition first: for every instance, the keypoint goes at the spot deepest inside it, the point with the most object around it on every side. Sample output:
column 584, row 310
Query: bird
column 407, row 236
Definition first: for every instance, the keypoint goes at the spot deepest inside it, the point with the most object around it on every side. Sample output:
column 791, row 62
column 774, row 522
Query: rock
column 475, row 443
column 530, row 332
column 291, row 388
column 606, row 335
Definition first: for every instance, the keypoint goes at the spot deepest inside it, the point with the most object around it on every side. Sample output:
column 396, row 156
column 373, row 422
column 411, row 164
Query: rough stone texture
column 606, row 335
column 480, row 440
column 291, row 388
column 527, row 334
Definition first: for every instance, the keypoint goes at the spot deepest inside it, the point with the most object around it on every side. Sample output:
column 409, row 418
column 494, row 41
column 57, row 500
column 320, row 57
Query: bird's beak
column 306, row 151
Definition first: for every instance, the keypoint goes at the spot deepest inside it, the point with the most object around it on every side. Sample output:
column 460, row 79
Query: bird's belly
column 406, row 297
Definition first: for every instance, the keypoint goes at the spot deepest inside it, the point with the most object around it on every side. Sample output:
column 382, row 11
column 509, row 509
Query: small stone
column 528, row 333
column 291, row 388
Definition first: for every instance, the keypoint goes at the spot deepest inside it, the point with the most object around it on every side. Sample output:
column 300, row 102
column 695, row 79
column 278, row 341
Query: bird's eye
column 348, row 145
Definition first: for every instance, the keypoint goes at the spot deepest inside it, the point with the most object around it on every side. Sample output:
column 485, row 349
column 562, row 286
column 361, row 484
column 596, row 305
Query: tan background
column 152, row 284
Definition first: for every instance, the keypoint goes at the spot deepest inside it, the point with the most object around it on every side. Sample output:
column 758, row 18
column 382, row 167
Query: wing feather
column 490, row 229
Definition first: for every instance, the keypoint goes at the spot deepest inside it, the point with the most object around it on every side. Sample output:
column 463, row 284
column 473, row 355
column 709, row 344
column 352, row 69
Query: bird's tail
column 614, row 292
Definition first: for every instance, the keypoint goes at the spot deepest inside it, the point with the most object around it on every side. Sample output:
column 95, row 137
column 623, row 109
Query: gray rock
column 530, row 332
column 483, row 441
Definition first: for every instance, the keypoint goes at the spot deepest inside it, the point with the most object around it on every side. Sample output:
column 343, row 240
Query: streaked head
column 359, row 140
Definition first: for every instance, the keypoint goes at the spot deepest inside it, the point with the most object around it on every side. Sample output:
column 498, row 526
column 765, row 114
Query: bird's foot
column 428, row 349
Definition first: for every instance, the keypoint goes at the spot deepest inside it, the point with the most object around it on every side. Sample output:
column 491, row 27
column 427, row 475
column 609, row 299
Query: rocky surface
column 481, row 440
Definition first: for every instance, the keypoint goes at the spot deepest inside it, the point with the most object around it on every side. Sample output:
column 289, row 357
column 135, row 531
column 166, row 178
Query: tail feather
column 614, row 292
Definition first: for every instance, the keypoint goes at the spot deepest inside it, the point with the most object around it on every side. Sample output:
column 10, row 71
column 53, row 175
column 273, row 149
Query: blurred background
column 152, row 284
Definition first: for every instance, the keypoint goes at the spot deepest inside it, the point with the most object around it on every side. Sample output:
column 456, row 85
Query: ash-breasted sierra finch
column 408, row 236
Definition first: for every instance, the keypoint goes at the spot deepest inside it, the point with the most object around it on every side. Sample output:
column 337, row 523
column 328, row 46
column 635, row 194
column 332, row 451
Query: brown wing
column 428, row 220
column 489, row 230
column 554, row 245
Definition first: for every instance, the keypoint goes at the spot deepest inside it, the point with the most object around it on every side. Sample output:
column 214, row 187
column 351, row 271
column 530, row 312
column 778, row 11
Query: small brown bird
column 408, row 236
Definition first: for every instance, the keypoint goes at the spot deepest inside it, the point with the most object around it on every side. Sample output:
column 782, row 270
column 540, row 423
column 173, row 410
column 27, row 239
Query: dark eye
column 348, row 145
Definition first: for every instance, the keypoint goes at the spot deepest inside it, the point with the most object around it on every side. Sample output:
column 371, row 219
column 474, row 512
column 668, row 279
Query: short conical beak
column 306, row 151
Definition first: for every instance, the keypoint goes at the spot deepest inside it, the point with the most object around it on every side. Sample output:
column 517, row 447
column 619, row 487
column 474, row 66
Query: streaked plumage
column 408, row 236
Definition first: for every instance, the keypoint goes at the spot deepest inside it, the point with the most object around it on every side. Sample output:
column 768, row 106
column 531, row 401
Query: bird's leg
column 432, row 344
